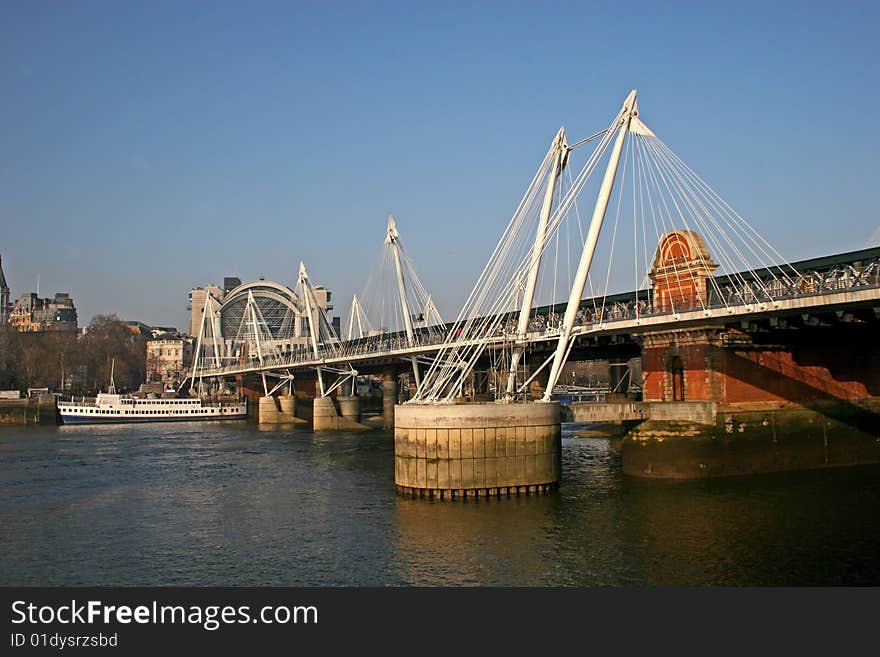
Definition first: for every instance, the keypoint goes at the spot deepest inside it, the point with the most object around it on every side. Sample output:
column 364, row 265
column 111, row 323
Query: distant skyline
column 153, row 147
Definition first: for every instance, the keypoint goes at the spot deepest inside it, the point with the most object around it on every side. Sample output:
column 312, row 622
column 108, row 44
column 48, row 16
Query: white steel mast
column 391, row 238
column 310, row 312
column 630, row 110
column 560, row 159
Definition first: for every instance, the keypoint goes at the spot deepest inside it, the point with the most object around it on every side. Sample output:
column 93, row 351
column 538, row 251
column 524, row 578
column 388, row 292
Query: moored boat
column 110, row 407
column 113, row 408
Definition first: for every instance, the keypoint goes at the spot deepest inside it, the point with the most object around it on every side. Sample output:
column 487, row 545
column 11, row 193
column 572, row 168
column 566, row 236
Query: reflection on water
column 228, row 503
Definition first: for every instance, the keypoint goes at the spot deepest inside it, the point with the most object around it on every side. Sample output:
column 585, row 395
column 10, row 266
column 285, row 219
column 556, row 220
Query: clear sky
column 152, row 146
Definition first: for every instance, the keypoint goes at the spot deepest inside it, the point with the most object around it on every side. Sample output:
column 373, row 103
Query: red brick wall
column 653, row 373
column 809, row 372
column 779, row 376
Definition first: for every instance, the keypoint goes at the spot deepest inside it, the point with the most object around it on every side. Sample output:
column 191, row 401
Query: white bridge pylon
column 395, row 300
column 643, row 179
column 321, row 335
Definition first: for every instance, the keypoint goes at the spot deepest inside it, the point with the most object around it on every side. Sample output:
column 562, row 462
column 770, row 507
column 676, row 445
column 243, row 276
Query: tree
column 8, row 351
column 110, row 344
column 62, row 347
column 40, row 359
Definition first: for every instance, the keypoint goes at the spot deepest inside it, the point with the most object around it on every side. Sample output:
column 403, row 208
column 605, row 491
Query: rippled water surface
column 231, row 504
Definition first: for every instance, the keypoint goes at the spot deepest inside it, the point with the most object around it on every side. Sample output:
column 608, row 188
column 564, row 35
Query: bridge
column 709, row 293
column 836, row 284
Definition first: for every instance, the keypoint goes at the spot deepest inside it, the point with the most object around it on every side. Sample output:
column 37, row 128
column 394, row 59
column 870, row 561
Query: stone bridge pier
column 337, row 413
column 389, row 398
column 279, row 409
column 786, row 395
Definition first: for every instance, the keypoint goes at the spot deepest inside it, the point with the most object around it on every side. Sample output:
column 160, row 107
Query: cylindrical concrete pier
column 288, row 408
column 477, row 450
column 389, row 399
column 268, row 410
column 350, row 407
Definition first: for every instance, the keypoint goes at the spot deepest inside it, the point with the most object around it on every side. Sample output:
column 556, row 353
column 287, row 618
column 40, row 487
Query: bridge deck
column 617, row 320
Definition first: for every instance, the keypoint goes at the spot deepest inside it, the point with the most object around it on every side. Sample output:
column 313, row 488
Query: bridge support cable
column 394, row 299
column 394, row 304
column 754, row 252
column 489, row 310
column 689, row 208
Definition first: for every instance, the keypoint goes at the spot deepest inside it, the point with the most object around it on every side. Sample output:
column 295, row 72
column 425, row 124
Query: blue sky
column 153, row 146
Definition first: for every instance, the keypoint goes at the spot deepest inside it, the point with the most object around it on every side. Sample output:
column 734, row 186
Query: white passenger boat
column 110, row 407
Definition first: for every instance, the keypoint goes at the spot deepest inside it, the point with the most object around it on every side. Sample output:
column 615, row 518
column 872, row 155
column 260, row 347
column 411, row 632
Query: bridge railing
column 370, row 346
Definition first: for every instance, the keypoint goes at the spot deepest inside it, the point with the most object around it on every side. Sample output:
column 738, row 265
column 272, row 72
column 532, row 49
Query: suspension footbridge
column 702, row 278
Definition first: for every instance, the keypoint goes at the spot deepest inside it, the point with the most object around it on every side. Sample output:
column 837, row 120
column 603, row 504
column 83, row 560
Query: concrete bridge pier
column 488, row 449
column 350, row 407
column 327, row 416
column 287, row 412
column 278, row 410
column 268, row 410
column 389, row 398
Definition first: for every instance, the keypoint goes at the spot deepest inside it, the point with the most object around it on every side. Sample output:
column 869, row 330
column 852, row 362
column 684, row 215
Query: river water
column 231, row 504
